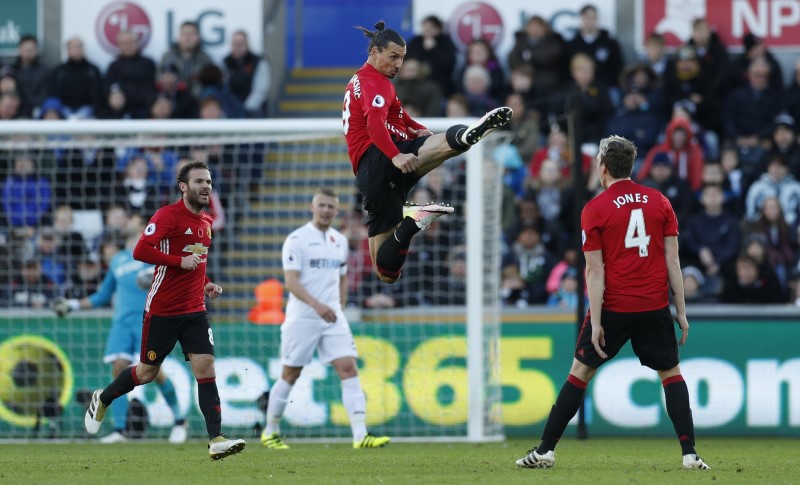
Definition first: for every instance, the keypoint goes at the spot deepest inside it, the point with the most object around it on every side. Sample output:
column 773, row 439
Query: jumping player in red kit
column 630, row 241
column 176, row 240
column 390, row 151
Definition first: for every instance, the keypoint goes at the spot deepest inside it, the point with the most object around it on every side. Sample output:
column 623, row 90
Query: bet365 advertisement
column 743, row 378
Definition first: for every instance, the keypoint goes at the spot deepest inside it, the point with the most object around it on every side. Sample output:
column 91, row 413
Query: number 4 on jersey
column 636, row 236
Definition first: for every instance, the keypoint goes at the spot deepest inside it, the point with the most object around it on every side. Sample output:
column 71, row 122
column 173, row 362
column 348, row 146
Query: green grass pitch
column 594, row 461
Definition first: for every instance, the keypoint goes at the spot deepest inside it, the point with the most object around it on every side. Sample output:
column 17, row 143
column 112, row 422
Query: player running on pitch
column 122, row 283
column 176, row 240
column 390, row 151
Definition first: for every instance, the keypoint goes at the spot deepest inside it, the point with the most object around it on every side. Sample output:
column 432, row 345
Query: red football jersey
column 629, row 222
column 175, row 232
column 371, row 103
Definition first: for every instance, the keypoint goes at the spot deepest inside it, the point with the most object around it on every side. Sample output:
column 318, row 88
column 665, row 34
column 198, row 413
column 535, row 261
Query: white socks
column 278, row 397
column 356, row 405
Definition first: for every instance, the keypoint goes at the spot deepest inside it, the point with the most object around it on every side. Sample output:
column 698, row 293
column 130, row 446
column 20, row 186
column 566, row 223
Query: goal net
column 428, row 345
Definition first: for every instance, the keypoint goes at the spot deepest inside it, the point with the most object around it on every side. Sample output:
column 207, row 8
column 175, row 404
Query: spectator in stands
column 436, row 50
column 136, row 193
column 544, row 50
column 30, row 288
column 548, row 190
column 77, row 83
column 792, row 94
column 161, row 163
column 31, row 74
column 522, row 82
column 747, row 284
column 9, row 106
column 568, row 260
column 640, row 118
column 359, row 262
column 711, row 238
column 784, row 143
column 456, row 106
column 116, row 106
column 86, row 177
column 52, row 109
column 187, row 57
column 693, row 282
column 56, row 265
column 86, row 280
column 414, row 87
column 778, row 238
column 687, row 79
column 776, row 182
column 184, row 104
column 477, row 85
column 566, row 296
column 248, row 76
column 533, row 261
column 682, row 151
column 481, row 53
column 707, row 139
column 115, row 220
column 524, row 127
column 755, row 48
column 598, row 45
column 655, row 55
column 161, row 108
column 26, row 193
column 508, row 158
column 71, row 245
column 454, row 286
column 8, row 83
column 596, row 106
column 662, row 177
column 212, row 85
column 714, row 174
column 558, row 150
column 750, row 110
column 134, row 73
column 711, row 52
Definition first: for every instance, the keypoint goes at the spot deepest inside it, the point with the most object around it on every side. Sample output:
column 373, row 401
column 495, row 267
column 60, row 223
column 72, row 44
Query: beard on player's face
column 196, row 200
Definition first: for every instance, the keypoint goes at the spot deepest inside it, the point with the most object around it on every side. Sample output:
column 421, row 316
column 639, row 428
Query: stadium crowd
column 716, row 133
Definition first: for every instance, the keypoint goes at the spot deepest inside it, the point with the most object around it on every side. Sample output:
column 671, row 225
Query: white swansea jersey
column 321, row 259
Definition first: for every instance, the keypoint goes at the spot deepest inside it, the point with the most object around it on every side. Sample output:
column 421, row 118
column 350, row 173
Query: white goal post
column 291, row 143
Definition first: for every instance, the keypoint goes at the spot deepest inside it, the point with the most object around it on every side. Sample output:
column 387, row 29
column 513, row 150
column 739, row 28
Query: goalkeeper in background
column 390, row 151
column 128, row 281
column 315, row 272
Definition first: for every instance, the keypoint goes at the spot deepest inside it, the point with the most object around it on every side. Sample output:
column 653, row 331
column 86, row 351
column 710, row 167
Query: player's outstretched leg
column 492, row 120
column 391, row 255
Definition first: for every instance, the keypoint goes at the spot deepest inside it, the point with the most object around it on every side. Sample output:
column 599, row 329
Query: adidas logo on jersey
column 189, row 231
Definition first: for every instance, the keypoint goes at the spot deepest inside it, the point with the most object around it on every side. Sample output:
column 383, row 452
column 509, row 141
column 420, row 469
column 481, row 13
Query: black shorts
column 384, row 188
column 652, row 336
column 159, row 335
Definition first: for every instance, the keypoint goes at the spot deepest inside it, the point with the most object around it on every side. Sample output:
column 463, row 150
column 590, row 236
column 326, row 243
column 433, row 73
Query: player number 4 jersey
column 321, row 259
column 629, row 222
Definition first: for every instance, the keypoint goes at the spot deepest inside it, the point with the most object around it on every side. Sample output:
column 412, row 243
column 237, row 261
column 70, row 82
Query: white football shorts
column 299, row 339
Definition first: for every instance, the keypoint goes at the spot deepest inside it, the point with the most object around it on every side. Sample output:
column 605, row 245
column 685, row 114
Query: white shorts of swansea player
column 300, row 338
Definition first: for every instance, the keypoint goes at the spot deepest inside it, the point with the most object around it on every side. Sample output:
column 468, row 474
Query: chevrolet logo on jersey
column 195, row 248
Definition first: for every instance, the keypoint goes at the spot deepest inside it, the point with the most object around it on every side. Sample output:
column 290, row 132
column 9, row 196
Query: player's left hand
column 213, row 290
column 419, row 133
column 599, row 339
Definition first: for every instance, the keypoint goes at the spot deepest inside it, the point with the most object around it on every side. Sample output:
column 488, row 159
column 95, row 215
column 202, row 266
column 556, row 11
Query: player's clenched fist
column 213, row 290
column 406, row 162
column 190, row 262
